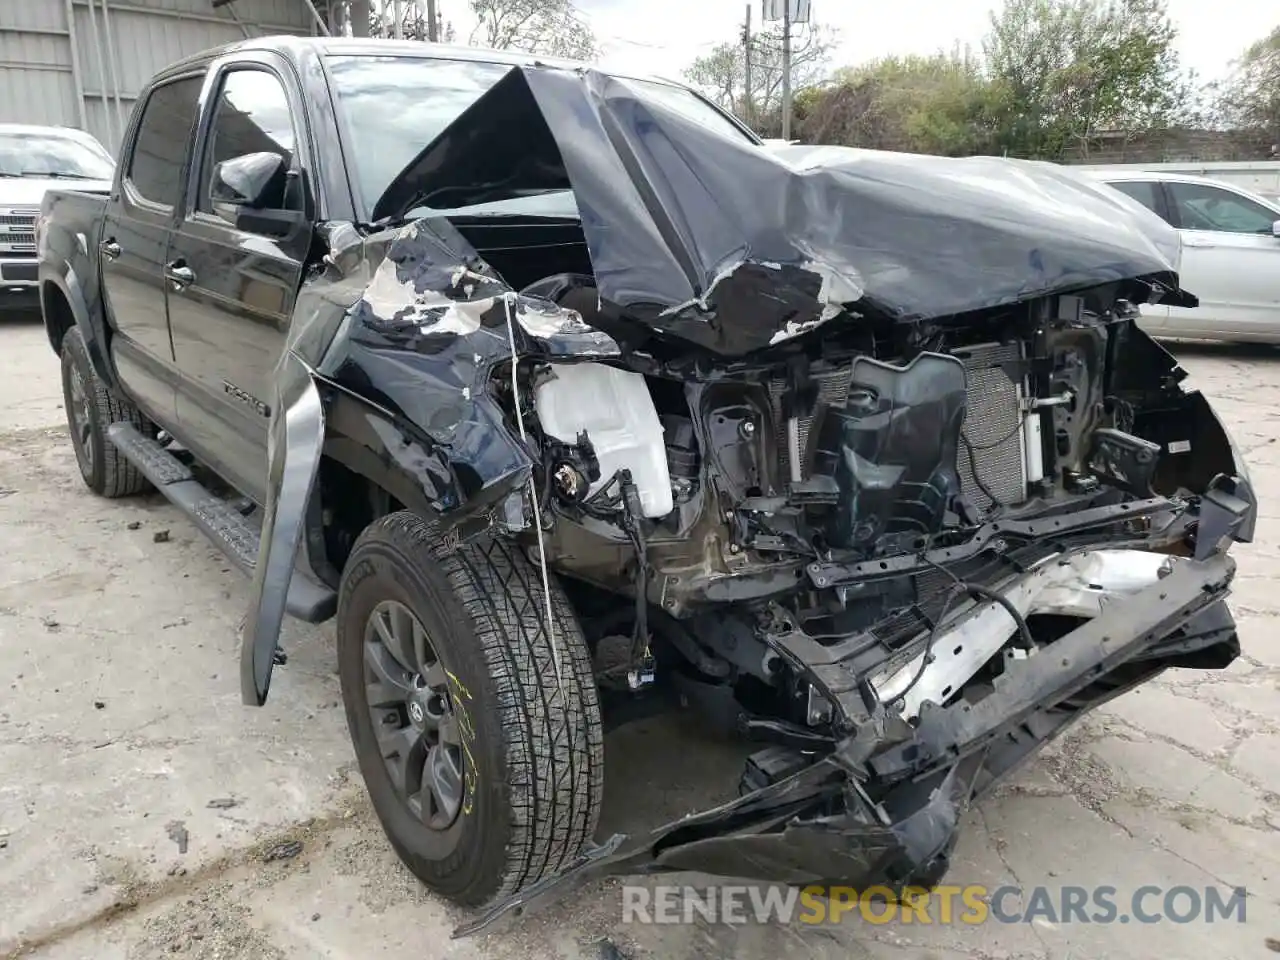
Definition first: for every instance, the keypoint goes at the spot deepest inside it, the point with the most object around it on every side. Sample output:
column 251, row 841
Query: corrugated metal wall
column 87, row 76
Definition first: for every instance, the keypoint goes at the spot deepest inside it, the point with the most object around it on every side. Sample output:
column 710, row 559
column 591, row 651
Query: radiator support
column 994, row 424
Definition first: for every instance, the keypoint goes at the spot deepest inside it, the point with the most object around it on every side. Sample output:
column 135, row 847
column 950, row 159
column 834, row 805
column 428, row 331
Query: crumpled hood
column 735, row 246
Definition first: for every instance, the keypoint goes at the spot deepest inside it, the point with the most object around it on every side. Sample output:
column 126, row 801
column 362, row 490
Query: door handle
column 179, row 275
column 110, row 249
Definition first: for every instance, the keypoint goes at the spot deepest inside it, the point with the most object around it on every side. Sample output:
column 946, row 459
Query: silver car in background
column 1230, row 255
column 33, row 160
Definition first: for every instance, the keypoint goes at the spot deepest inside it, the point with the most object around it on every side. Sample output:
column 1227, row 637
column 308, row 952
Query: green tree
column 938, row 104
column 549, row 27
column 1251, row 97
column 1072, row 69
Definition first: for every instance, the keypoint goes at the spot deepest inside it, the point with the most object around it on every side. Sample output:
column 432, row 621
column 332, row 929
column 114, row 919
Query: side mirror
column 249, row 180
column 249, row 192
column 1275, row 228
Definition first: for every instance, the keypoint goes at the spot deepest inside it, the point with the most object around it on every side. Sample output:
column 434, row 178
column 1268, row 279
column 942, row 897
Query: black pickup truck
column 568, row 398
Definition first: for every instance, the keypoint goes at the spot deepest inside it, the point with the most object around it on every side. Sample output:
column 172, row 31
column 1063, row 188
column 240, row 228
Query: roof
column 1157, row 176
column 1163, row 176
column 292, row 46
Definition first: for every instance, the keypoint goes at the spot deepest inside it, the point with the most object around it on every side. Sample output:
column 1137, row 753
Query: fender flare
column 294, row 445
column 67, row 282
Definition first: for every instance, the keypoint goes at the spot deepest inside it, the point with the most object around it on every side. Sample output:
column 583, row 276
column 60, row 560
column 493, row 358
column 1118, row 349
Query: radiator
column 993, row 426
column 992, row 423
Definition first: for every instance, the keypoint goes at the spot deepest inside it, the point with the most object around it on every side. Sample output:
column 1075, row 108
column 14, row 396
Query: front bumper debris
column 819, row 826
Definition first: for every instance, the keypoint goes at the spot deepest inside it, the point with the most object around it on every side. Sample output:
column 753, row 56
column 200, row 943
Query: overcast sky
column 663, row 36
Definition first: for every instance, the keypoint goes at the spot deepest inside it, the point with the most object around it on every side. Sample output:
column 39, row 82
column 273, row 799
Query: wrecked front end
column 975, row 545
column 863, row 456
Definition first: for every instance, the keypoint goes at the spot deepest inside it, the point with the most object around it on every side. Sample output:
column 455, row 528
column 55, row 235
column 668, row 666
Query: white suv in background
column 33, row 160
column 1230, row 255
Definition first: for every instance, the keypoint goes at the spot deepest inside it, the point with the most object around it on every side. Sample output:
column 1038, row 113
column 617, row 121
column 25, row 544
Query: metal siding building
column 81, row 63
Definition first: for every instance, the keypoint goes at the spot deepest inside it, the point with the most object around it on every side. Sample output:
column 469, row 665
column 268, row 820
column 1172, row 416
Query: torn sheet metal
column 412, row 320
column 780, row 834
column 432, row 283
column 1077, row 586
column 734, row 246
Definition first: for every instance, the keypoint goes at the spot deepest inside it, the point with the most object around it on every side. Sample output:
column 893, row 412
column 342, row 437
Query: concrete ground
column 145, row 813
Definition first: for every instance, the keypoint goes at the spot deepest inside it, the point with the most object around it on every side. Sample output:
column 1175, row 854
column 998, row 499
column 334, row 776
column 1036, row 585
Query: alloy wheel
column 407, row 690
column 77, row 402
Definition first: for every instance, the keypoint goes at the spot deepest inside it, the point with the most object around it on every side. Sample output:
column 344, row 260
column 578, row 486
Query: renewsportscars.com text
column 949, row 904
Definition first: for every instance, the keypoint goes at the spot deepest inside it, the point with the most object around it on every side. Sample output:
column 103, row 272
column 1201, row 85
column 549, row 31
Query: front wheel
column 485, row 773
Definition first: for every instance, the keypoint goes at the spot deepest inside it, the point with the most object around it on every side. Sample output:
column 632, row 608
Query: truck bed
column 72, row 217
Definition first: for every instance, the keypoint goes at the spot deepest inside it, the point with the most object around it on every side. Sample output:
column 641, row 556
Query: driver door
column 232, row 280
column 1230, row 260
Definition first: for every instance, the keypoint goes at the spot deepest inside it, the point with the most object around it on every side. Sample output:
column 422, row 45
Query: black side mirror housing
column 249, row 180
column 248, row 192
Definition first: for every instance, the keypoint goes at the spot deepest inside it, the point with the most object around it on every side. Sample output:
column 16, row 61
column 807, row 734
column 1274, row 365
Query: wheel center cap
column 416, row 712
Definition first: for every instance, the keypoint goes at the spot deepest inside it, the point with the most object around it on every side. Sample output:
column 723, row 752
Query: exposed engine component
column 683, row 460
column 992, row 460
column 891, row 449
column 837, row 546
column 570, row 483
column 615, row 410
column 991, row 438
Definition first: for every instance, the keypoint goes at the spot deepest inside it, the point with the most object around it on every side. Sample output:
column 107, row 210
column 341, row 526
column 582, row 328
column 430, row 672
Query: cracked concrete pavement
column 121, row 729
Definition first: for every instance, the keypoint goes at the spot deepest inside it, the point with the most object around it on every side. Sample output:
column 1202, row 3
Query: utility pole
column 433, row 32
column 359, row 14
column 397, row 25
column 748, row 108
column 786, row 69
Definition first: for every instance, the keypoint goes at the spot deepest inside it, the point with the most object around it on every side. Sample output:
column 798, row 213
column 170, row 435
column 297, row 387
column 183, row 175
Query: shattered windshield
column 48, row 156
column 395, row 106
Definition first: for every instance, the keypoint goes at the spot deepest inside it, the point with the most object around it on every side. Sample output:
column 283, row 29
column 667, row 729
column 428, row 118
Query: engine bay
column 792, row 527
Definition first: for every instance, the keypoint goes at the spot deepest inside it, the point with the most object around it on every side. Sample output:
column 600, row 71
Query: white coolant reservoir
column 616, row 410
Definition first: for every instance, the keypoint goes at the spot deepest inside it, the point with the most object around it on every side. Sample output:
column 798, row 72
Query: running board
column 220, row 521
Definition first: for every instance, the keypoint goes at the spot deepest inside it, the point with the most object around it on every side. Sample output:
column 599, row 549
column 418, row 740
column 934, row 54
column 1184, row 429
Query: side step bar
column 231, row 531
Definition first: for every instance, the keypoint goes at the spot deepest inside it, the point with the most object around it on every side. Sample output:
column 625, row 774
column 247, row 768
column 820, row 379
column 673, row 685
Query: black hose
column 961, row 588
column 994, row 443
column 973, row 460
column 977, row 590
column 977, row 477
column 632, row 521
column 927, row 659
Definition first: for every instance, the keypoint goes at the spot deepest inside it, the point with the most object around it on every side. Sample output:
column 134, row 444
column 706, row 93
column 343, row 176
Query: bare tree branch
column 550, row 27
column 721, row 74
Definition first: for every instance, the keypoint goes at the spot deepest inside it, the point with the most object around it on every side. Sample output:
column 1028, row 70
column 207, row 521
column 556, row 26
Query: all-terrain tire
column 534, row 751
column 104, row 468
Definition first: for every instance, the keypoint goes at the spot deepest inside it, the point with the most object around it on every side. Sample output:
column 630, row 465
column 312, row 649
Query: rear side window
column 1144, row 191
column 155, row 167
